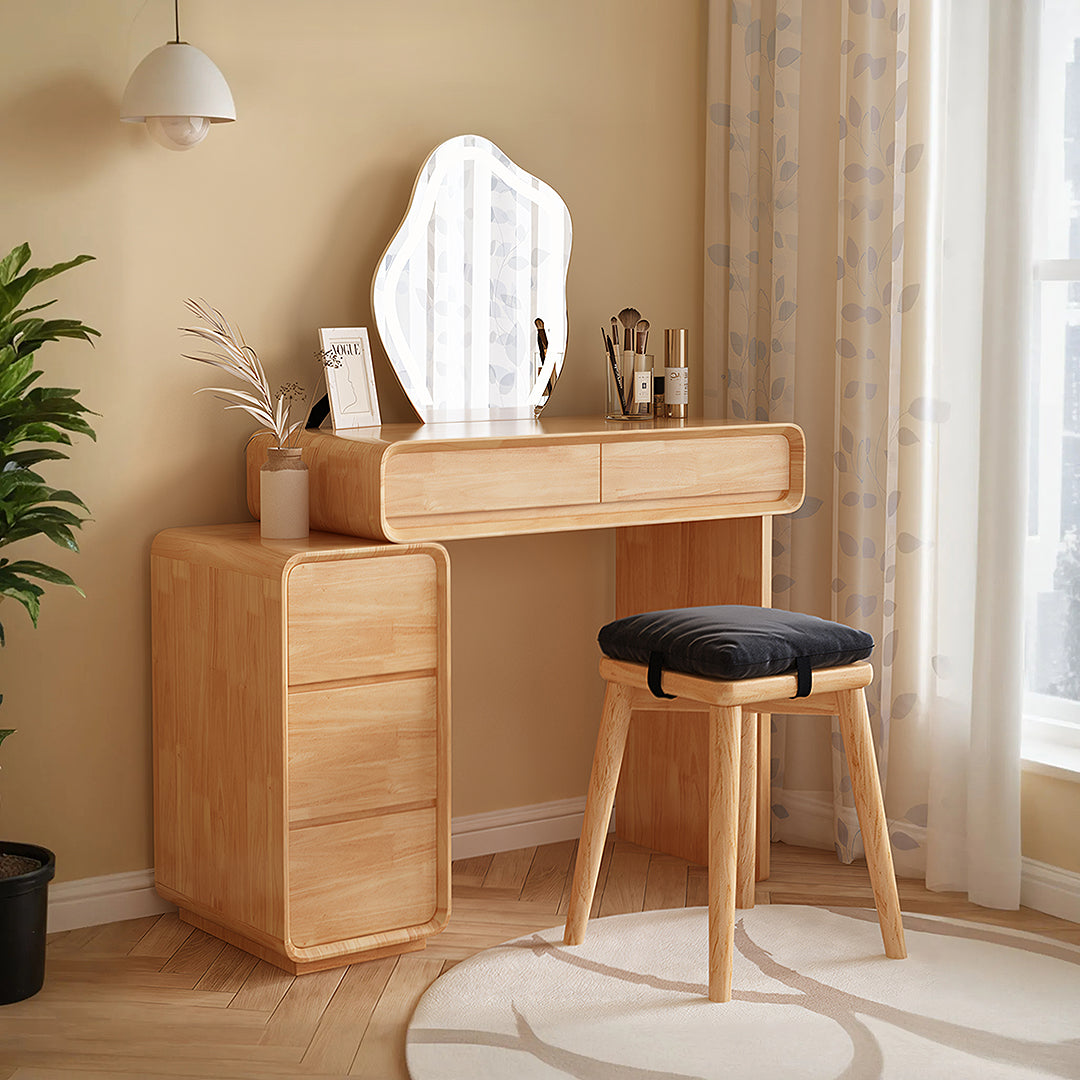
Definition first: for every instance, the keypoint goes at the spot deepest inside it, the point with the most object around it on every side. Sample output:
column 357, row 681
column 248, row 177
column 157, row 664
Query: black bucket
column 24, row 910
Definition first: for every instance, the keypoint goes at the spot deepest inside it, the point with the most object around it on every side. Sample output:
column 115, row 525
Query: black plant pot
column 24, row 908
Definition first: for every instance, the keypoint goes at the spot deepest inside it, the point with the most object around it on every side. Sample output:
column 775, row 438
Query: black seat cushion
column 732, row 641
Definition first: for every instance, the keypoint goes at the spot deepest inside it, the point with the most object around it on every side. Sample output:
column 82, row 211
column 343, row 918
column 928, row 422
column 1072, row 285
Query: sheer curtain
column 986, row 127
column 925, row 385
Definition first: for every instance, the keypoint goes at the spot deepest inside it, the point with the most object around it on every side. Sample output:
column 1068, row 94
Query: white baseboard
column 92, row 901
column 520, row 826
column 1044, row 887
column 96, row 900
column 114, row 897
column 1050, row 889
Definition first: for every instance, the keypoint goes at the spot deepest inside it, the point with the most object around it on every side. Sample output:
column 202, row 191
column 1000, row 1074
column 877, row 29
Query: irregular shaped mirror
column 481, row 255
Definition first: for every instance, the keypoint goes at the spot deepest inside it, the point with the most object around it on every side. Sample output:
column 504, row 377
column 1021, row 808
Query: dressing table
column 301, row 687
column 691, row 502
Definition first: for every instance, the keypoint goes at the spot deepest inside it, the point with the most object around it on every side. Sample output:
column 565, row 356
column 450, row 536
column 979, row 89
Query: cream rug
column 813, row 999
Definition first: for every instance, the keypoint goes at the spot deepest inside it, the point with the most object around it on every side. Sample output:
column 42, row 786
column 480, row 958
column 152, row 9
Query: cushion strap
column 655, row 670
column 804, row 679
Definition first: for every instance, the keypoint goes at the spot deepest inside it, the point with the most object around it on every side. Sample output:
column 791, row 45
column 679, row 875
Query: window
column 1052, row 705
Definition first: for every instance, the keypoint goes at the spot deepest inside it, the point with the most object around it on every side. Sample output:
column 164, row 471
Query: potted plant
column 34, row 421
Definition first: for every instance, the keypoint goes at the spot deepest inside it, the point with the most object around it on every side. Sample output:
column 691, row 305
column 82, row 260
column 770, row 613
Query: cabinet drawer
column 507, row 478
column 695, row 468
column 361, row 877
column 354, row 618
column 360, row 748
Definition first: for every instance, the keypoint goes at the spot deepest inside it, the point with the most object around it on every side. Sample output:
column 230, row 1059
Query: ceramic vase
column 283, row 495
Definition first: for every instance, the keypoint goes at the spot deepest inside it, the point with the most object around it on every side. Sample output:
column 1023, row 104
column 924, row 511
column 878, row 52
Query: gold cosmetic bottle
column 676, row 374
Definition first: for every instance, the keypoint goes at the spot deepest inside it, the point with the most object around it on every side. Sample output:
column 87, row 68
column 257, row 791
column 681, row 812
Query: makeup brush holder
column 625, row 390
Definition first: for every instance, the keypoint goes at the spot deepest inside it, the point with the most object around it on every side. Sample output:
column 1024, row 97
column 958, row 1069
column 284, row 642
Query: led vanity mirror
column 481, row 256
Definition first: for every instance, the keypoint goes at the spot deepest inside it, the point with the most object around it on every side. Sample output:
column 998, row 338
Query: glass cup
column 627, row 382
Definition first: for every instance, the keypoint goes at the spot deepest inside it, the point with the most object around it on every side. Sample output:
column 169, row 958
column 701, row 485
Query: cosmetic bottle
column 676, row 374
column 642, row 401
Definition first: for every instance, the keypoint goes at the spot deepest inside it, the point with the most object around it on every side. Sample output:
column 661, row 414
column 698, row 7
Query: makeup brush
column 641, row 333
column 609, row 348
column 615, row 335
column 629, row 317
column 541, row 339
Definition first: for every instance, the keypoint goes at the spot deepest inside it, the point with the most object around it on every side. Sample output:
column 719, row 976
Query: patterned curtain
column 899, row 562
column 884, row 417
column 751, row 209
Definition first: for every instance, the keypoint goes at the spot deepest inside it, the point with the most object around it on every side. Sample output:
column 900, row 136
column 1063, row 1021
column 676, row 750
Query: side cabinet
column 301, row 741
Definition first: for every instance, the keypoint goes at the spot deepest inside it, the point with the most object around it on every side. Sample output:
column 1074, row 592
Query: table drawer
column 695, row 468
column 507, row 478
column 355, row 618
column 361, row 877
column 361, row 748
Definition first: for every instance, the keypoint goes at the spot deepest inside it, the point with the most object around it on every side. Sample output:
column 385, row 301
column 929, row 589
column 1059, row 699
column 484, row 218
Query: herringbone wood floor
column 152, row 998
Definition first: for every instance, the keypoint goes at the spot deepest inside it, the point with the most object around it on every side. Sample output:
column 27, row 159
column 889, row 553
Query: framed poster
column 350, row 378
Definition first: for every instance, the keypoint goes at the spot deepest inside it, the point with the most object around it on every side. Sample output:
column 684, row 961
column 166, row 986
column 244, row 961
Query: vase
column 283, row 495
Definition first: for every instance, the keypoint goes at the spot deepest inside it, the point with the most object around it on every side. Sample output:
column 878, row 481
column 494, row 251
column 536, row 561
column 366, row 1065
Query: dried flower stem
column 234, row 356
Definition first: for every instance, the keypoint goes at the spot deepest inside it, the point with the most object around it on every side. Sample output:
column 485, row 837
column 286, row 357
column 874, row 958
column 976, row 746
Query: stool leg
column 764, row 796
column 869, row 805
column 748, row 786
column 724, row 763
column 607, row 761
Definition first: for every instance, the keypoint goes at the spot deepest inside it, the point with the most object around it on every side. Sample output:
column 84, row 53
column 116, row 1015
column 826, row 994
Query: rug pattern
column 813, row 999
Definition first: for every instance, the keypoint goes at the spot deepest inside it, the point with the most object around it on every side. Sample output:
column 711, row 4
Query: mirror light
column 178, row 92
column 481, row 255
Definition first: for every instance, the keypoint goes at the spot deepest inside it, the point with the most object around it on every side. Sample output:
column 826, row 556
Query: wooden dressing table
column 301, row 687
column 691, row 502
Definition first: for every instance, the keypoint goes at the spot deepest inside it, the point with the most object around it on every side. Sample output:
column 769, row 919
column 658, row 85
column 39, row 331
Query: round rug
column 813, row 998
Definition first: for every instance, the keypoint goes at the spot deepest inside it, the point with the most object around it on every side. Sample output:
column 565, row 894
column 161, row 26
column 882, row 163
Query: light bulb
column 177, row 132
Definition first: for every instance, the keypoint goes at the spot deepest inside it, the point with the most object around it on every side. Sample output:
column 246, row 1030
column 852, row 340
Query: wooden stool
column 730, row 638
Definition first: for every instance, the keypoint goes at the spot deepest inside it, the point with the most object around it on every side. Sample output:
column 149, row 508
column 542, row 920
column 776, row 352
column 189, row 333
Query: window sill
column 1049, row 758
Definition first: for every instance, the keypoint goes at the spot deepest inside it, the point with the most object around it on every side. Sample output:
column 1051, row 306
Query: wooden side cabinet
column 301, row 741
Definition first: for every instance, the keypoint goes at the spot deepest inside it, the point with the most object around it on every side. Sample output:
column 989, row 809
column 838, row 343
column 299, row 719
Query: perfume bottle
column 676, row 373
column 641, row 407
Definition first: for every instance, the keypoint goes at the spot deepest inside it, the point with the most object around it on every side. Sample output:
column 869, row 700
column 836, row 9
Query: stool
column 732, row 658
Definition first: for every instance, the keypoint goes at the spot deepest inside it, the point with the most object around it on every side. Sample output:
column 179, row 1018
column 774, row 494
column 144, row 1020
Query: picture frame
column 350, row 377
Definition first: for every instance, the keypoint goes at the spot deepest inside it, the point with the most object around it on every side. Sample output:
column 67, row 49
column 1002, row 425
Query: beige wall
column 278, row 220
column 1050, row 817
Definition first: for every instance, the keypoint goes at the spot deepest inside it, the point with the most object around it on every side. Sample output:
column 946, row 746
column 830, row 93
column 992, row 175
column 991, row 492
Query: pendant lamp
column 178, row 92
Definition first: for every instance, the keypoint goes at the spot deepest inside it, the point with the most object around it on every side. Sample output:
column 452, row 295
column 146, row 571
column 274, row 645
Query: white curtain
column 925, row 385
column 986, row 127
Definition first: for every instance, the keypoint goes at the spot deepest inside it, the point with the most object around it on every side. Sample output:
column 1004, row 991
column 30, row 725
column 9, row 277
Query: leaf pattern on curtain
column 751, row 229
column 884, row 420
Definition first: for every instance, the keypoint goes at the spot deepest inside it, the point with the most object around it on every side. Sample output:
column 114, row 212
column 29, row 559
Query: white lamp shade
column 177, row 80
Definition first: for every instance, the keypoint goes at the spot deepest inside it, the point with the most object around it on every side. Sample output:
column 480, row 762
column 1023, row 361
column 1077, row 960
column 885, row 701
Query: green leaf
column 43, row 572
column 13, row 290
column 36, row 307
column 24, row 458
column 28, row 597
column 5, row 732
column 13, row 262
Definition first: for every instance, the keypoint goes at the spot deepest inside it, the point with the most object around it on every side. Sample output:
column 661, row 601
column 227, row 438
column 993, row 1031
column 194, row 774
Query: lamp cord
column 176, row 11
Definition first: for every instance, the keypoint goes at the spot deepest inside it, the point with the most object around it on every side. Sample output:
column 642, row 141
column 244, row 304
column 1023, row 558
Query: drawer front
column 361, row 748
column 361, row 877
column 508, row 478
column 359, row 617
column 697, row 468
